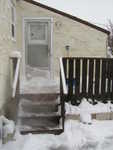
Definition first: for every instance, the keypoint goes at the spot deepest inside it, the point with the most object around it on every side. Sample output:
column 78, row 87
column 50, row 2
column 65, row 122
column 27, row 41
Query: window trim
column 13, row 22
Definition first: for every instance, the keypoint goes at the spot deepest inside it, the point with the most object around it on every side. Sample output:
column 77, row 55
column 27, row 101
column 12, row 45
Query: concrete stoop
column 97, row 116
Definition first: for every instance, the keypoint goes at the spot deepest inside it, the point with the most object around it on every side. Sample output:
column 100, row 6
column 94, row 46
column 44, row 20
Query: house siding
column 83, row 40
column 6, row 46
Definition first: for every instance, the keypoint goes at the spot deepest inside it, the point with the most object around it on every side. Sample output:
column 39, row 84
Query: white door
column 37, row 45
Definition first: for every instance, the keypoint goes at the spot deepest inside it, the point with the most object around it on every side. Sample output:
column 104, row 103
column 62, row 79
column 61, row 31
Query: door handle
column 49, row 52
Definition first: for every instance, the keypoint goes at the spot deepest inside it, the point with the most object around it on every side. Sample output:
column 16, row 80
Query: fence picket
column 97, row 78
column 84, row 76
column 103, row 85
column 77, row 77
column 70, row 80
column 93, row 79
column 90, row 87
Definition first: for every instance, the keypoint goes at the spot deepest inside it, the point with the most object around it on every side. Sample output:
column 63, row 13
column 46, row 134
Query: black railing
column 62, row 101
column 89, row 78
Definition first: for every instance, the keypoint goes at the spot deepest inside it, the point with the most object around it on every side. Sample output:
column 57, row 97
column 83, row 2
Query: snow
column 77, row 136
column 85, row 117
column 109, row 52
column 70, row 109
column 8, row 126
column 93, row 135
column 15, row 54
column 88, row 107
column 38, row 81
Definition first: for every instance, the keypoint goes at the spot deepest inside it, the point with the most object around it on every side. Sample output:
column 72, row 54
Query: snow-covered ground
column 98, row 135
column 77, row 136
column 86, row 106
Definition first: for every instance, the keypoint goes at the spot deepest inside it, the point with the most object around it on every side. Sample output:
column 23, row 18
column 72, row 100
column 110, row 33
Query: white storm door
column 37, row 44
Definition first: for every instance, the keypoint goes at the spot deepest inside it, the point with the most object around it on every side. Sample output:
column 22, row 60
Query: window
column 38, row 32
column 13, row 22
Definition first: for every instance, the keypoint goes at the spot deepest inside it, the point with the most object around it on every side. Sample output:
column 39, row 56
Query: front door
column 37, row 46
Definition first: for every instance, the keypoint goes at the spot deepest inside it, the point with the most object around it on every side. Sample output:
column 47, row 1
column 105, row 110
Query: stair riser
column 54, row 131
column 40, row 108
column 40, row 122
column 39, row 97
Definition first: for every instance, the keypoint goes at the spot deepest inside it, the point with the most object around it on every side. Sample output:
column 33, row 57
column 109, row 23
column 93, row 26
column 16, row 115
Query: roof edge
column 68, row 16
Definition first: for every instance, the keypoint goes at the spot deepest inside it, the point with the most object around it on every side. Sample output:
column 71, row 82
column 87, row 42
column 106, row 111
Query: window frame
column 13, row 22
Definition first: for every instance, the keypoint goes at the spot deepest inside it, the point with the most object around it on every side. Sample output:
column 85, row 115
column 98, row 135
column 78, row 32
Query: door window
column 38, row 33
column 37, row 44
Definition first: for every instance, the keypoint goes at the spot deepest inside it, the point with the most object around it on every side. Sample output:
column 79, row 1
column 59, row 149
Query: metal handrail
column 16, row 76
column 63, row 77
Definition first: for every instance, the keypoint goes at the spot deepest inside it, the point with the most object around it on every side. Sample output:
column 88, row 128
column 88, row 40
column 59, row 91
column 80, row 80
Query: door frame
column 25, row 20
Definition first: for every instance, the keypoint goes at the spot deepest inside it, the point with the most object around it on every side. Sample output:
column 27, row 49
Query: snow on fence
column 88, row 77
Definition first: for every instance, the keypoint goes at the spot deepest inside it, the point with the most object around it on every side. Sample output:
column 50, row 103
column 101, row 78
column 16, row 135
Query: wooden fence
column 89, row 78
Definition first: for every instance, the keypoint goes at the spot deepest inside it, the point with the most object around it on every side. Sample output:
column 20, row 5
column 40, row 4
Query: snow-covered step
column 31, row 114
column 44, row 89
column 40, row 122
column 38, row 112
column 39, row 81
column 25, row 101
column 40, row 98
column 28, row 129
column 48, row 87
column 40, row 108
column 40, row 125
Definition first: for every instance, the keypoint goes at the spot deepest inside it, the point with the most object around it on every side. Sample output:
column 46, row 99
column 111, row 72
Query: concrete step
column 26, row 101
column 31, row 114
column 55, row 131
column 40, row 114
column 39, row 122
column 40, row 98
column 40, row 108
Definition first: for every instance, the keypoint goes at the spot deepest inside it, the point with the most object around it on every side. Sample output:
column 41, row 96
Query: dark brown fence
column 62, row 101
column 89, row 78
